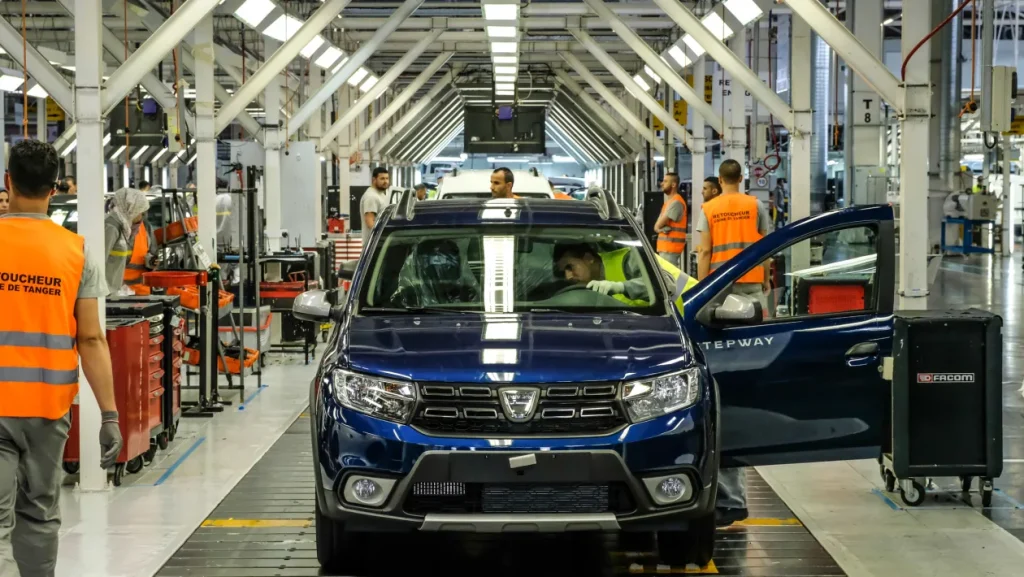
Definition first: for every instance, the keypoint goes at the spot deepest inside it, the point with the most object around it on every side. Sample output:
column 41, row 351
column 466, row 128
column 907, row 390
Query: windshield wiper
column 417, row 310
column 585, row 312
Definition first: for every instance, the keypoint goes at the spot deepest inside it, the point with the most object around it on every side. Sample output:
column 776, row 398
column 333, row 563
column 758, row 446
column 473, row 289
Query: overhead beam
column 441, row 137
column 850, row 49
column 39, row 68
column 575, row 149
column 525, row 23
column 621, row 109
column 428, row 100
column 633, row 88
column 573, row 125
column 396, row 105
column 568, row 104
column 335, row 81
column 277, row 62
column 659, row 66
column 615, row 125
column 428, row 131
column 728, row 60
column 153, row 50
column 377, row 89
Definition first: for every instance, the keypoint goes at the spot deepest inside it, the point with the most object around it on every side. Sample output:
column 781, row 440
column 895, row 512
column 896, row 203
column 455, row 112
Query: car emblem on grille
column 519, row 404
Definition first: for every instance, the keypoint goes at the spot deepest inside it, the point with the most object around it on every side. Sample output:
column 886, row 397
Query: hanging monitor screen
column 504, row 130
column 145, row 122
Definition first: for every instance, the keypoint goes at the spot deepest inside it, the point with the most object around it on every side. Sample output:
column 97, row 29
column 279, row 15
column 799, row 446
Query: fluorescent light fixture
column 563, row 159
column 505, row 92
column 504, row 47
column 106, row 139
column 193, row 159
column 501, row 11
column 117, row 152
column 66, row 67
column 501, row 31
column 655, row 77
column 358, row 77
column 370, row 82
column 888, row 21
column 693, row 45
column 312, row 47
column 746, row 11
column 329, row 57
column 641, row 82
column 70, row 148
column 37, row 92
column 340, row 64
column 283, row 28
column 159, row 154
column 252, row 12
column 504, row 87
column 10, row 83
column 506, row 69
column 506, row 78
column 505, row 59
column 714, row 23
column 679, row 56
column 140, row 153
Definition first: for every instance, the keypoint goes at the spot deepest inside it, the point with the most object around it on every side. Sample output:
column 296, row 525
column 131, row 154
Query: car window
column 512, row 269
column 830, row 273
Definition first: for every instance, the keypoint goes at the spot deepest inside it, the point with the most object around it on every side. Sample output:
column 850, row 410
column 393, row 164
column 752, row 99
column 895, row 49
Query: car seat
column 439, row 267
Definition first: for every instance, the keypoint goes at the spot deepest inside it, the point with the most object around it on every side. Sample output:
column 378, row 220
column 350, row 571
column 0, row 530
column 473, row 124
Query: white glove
column 606, row 286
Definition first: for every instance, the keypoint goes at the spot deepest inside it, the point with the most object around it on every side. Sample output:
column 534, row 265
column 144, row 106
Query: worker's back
column 732, row 220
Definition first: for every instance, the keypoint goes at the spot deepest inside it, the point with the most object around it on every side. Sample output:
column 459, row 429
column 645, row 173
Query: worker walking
column 728, row 224
column 51, row 318
column 671, row 224
column 127, row 241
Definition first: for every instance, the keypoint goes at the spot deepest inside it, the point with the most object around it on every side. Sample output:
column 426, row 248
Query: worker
column 558, row 194
column 421, row 191
column 711, row 188
column 67, row 186
column 979, row 186
column 50, row 318
column 671, row 223
column 5, row 201
column 502, row 181
column 144, row 186
column 127, row 241
column 374, row 201
column 728, row 224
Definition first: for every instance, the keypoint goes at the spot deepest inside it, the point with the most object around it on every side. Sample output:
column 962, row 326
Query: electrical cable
column 24, row 66
column 959, row 9
column 776, row 158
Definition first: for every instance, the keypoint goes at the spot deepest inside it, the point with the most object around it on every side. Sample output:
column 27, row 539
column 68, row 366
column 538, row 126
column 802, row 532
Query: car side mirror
column 347, row 270
column 313, row 306
column 734, row 310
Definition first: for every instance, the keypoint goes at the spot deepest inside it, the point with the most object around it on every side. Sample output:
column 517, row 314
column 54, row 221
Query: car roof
column 469, row 212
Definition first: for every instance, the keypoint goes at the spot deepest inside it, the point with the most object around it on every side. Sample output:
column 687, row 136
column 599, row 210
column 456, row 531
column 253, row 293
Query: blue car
column 523, row 365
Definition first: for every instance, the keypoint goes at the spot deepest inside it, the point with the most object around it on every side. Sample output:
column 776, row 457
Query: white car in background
column 477, row 184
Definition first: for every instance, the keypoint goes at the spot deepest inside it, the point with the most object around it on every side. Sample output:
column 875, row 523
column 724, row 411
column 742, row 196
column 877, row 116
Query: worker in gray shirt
column 374, row 201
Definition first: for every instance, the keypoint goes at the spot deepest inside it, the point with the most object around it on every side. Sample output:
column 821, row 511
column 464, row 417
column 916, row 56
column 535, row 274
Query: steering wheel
column 569, row 288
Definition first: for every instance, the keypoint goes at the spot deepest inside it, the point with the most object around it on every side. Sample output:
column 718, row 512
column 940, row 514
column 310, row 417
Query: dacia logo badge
column 519, row 404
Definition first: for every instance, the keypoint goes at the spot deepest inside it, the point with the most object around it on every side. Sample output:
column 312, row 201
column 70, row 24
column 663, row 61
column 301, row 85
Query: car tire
column 332, row 542
column 695, row 546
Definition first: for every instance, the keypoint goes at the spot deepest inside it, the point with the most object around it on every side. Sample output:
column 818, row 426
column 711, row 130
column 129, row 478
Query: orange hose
column 24, row 66
column 959, row 9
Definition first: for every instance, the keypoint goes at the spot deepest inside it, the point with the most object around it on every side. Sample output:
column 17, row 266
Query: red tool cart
column 129, row 350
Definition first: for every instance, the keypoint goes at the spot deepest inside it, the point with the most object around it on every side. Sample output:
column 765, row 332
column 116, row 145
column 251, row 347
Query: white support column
column 697, row 156
column 1008, row 208
column 154, row 49
column 315, row 130
column 39, row 68
column 206, row 139
column 800, row 142
column 864, row 110
column 88, row 107
column 40, row 120
column 736, row 141
column 913, row 227
column 268, row 73
column 272, row 147
column 396, row 105
column 617, row 105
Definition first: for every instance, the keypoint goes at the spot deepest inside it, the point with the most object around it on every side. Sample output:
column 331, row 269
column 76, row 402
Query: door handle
column 863, row 350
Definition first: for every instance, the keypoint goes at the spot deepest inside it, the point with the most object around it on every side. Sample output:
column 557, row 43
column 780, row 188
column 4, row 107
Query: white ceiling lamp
column 252, row 12
column 501, row 31
column 714, row 23
column 505, row 92
column 340, row 64
column 329, row 57
column 283, row 28
column 358, row 77
column 37, row 91
column 370, row 82
column 679, row 56
column 140, row 153
column 506, row 70
column 504, row 87
column 641, row 82
column 746, row 11
column 70, row 148
column 505, row 47
column 312, row 47
column 158, row 154
column 497, row 10
column 505, row 78
column 649, row 72
column 693, row 45
column 499, row 59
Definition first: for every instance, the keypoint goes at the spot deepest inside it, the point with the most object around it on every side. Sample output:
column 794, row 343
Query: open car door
column 799, row 372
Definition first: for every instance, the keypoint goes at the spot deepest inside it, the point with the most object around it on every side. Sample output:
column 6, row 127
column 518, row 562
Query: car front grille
column 588, row 409
column 523, row 498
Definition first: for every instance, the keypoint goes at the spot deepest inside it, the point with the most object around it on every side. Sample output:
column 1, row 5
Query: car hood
column 519, row 348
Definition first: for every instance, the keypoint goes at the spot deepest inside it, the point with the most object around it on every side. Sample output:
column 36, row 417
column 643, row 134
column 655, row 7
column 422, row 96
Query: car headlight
column 376, row 397
column 649, row 398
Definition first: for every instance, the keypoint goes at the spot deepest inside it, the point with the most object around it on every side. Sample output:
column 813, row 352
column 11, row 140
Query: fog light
column 670, row 489
column 366, row 491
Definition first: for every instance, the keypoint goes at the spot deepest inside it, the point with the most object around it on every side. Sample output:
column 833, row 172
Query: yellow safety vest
column 614, row 271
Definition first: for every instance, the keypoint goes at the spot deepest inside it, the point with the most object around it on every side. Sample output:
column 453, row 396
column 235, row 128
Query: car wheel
column 695, row 546
column 332, row 542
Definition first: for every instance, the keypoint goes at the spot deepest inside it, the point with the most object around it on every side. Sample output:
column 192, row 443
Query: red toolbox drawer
column 155, row 399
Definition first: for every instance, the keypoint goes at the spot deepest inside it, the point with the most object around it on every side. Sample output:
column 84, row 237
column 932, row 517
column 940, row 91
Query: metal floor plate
column 264, row 528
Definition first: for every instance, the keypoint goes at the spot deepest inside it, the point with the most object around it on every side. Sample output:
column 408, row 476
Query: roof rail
column 406, row 208
column 455, row 171
column 533, row 171
column 606, row 205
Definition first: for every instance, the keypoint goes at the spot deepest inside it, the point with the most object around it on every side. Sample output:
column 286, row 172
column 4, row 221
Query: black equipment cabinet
column 947, row 398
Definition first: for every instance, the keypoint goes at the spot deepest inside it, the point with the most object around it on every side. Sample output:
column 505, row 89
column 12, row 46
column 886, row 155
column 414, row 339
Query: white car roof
column 479, row 181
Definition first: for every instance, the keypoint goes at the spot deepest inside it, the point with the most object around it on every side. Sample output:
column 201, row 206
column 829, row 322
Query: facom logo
column 945, row 377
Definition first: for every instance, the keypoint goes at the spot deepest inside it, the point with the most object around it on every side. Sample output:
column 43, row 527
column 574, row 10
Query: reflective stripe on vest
column 684, row 282
column 137, row 265
column 614, row 270
column 674, row 238
column 40, row 272
column 732, row 219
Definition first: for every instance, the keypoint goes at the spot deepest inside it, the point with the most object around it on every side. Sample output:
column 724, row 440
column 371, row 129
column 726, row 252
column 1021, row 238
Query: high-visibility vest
column 615, row 270
column 41, row 268
column 732, row 219
column 563, row 196
column 137, row 263
column 674, row 239
column 684, row 282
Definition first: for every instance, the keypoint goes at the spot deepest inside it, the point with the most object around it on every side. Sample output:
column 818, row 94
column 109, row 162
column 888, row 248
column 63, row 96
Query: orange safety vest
column 41, row 267
column 675, row 239
column 563, row 196
column 733, row 222
column 137, row 263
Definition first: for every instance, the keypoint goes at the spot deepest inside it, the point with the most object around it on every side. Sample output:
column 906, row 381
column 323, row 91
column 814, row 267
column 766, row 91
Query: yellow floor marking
column 768, row 522
column 710, row 569
column 256, row 523
column 303, row 415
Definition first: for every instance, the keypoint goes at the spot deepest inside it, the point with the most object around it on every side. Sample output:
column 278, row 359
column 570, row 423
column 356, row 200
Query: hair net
column 128, row 204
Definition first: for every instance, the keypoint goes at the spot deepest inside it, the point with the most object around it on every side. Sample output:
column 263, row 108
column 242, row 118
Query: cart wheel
column 915, row 496
column 323, row 336
column 70, row 467
column 890, row 482
column 171, row 433
column 147, row 457
column 986, row 498
column 162, row 441
column 135, row 465
column 882, row 472
column 118, row 474
column 965, row 484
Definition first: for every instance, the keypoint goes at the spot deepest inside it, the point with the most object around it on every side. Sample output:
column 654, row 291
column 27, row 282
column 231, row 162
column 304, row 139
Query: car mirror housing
column 738, row 310
column 313, row 306
column 347, row 270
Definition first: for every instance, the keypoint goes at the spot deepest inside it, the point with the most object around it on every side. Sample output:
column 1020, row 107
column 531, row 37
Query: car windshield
column 511, row 269
column 461, row 195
